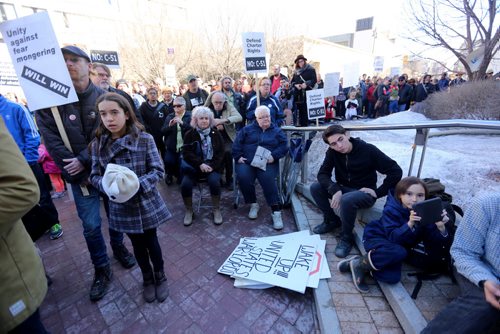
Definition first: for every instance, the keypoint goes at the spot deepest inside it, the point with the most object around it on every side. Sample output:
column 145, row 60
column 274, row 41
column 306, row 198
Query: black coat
column 405, row 94
column 80, row 120
column 153, row 117
column 306, row 75
column 193, row 156
column 170, row 132
column 358, row 169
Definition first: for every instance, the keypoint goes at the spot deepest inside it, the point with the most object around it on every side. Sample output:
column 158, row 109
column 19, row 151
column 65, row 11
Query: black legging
column 146, row 246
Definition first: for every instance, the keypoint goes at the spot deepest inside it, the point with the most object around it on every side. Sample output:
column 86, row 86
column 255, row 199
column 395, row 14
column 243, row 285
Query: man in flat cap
column 79, row 120
column 194, row 96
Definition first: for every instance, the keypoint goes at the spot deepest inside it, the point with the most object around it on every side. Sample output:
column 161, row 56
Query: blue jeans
column 469, row 313
column 115, row 237
column 88, row 208
column 393, row 106
column 188, row 181
column 350, row 202
column 172, row 163
column 32, row 324
column 246, row 176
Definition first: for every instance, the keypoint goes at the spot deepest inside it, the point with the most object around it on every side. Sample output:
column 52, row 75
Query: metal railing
column 421, row 135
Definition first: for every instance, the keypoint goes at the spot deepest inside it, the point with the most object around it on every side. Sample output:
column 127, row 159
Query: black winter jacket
column 170, row 132
column 80, row 120
column 153, row 117
column 358, row 169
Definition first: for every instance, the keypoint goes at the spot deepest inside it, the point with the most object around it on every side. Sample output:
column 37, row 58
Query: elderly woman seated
column 203, row 151
column 257, row 150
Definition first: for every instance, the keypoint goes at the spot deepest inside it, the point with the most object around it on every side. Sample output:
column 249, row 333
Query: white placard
column 285, row 263
column 38, row 61
column 331, row 87
column 351, row 74
column 170, row 75
column 378, row 64
column 254, row 52
column 315, row 104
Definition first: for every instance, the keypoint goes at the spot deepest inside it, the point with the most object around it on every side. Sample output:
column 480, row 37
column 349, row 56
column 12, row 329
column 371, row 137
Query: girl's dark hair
column 333, row 130
column 406, row 183
column 132, row 124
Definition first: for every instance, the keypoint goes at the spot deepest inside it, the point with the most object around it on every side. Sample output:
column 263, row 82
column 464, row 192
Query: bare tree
column 460, row 27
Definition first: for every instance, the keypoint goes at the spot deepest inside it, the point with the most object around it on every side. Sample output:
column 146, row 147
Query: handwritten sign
column 315, row 103
column 286, row 262
column 38, row 61
column 254, row 52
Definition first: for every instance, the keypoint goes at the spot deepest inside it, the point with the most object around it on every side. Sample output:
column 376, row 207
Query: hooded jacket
column 358, row 169
column 22, row 128
column 23, row 286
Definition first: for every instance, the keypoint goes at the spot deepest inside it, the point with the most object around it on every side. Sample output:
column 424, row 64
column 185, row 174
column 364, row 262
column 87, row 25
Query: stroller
column 293, row 164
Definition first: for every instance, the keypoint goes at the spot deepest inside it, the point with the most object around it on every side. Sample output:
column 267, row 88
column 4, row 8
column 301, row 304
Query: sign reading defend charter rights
column 254, row 52
column 38, row 61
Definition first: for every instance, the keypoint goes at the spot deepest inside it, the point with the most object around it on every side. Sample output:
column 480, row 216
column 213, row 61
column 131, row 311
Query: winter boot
column 344, row 266
column 359, row 268
column 149, row 292
column 277, row 221
column 188, row 216
column 161, row 286
column 217, row 213
column 102, row 278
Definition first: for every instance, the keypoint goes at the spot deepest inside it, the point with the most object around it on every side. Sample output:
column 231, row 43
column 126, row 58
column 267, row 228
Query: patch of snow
column 468, row 165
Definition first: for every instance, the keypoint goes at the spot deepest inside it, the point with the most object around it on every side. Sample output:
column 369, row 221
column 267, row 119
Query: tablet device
column 429, row 210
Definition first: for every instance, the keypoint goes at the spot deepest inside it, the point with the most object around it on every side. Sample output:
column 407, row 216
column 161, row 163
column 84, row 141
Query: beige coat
column 23, row 285
column 230, row 113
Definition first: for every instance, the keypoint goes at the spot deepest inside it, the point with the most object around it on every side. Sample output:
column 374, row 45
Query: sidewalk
column 200, row 301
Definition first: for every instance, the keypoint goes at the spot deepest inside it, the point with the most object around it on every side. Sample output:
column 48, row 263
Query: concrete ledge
column 409, row 316
column 327, row 315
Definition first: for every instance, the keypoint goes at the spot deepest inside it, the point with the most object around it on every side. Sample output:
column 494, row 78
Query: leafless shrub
column 478, row 100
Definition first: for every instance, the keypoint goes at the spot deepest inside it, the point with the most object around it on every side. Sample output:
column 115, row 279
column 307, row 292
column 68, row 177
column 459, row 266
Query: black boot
column 161, row 286
column 149, row 292
column 123, row 256
column 360, row 267
column 102, row 278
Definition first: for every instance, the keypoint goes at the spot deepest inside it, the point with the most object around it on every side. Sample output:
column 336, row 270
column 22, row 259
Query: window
column 364, row 24
column 7, row 11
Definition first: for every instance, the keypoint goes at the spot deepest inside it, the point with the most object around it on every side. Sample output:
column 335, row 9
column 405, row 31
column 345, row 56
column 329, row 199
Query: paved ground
column 200, row 301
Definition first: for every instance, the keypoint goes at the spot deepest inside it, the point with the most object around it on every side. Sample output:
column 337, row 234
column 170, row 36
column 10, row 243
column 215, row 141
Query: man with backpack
column 476, row 251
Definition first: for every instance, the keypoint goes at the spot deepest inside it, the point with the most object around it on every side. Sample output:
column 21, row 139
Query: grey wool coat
column 146, row 209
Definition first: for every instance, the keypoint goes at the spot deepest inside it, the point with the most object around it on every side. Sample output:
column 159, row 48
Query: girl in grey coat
column 120, row 140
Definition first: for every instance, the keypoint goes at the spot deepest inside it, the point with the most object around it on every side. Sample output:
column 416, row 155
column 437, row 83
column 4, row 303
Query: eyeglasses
column 217, row 102
column 263, row 117
column 104, row 75
column 178, row 105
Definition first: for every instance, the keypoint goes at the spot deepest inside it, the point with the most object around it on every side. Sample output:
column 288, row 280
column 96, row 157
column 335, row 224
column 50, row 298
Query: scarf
column 206, row 144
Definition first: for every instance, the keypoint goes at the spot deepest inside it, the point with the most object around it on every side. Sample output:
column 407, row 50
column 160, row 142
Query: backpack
column 431, row 269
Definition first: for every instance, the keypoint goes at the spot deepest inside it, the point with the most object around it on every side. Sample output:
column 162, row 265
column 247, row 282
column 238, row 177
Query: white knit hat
column 119, row 183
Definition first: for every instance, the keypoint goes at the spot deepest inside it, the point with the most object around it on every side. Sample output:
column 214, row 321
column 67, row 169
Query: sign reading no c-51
column 109, row 58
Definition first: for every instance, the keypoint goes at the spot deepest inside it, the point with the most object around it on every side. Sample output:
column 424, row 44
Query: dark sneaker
column 343, row 248
column 326, row 226
column 344, row 265
column 56, row 231
column 123, row 256
column 358, row 271
column 102, row 278
column 169, row 179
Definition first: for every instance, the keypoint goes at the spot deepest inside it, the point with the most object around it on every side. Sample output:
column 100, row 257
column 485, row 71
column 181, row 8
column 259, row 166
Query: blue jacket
column 22, row 128
column 393, row 227
column 274, row 105
column 251, row 136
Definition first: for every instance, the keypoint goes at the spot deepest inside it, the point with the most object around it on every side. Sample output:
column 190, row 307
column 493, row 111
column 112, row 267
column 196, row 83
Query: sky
column 459, row 161
column 315, row 18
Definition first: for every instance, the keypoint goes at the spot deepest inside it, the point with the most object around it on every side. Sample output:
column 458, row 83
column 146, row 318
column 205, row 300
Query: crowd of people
column 116, row 143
